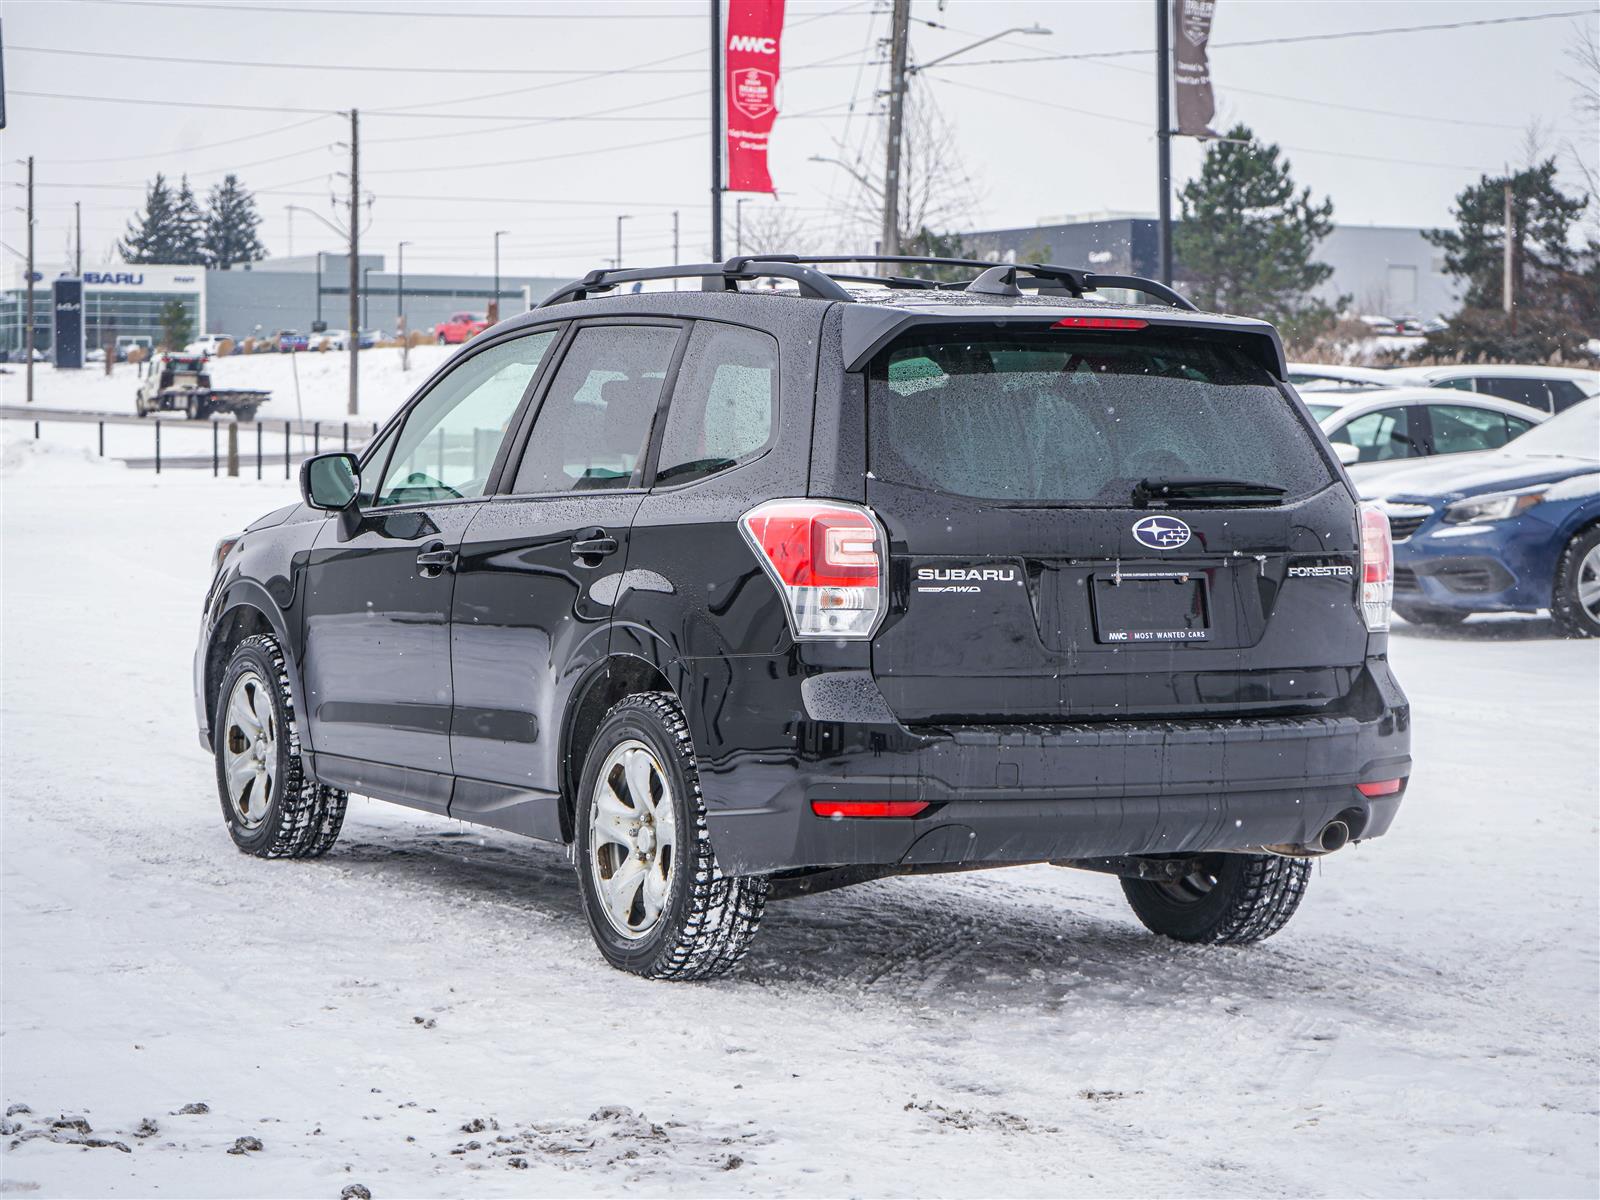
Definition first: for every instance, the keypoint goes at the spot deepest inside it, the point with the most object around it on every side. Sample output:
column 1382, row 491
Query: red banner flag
column 755, row 33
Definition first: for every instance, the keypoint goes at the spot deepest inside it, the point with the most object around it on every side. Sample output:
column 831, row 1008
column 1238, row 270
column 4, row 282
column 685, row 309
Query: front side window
column 1081, row 419
column 1380, row 436
column 724, row 405
column 595, row 421
column 448, row 443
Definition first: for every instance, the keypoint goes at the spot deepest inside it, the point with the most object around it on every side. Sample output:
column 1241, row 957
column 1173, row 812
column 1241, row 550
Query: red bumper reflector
column 868, row 808
column 1382, row 787
column 1100, row 323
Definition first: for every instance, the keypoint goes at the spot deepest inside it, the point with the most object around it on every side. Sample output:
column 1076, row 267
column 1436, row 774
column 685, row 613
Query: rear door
column 541, row 566
column 1030, row 583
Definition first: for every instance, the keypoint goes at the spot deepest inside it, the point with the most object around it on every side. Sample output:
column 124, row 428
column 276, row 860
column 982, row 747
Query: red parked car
column 461, row 327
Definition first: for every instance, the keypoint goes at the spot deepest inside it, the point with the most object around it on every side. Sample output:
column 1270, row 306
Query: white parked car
column 209, row 344
column 1331, row 377
column 1374, row 430
column 1549, row 389
column 336, row 339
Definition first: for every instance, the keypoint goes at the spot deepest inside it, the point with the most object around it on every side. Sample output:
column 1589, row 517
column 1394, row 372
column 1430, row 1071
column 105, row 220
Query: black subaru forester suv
column 749, row 592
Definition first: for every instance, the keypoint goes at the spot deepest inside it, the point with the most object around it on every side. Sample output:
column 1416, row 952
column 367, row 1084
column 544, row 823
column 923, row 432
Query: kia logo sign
column 1161, row 533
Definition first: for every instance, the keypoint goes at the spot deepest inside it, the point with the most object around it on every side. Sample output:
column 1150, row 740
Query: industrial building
column 1385, row 270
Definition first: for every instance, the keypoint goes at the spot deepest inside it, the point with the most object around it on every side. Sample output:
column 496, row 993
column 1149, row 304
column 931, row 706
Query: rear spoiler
column 866, row 329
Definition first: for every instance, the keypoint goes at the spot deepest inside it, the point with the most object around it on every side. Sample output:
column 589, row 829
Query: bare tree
column 774, row 229
column 939, row 194
column 1584, row 54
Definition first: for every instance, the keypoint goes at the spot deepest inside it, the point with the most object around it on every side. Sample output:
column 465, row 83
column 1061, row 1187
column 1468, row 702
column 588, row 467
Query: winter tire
column 655, row 900
column 1575, row 599
column 272, row 807
column 1232, row 899
column 1425, row 614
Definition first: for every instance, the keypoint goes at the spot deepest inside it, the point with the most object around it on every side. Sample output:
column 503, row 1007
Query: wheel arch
column 242, row 614
column 607, row 682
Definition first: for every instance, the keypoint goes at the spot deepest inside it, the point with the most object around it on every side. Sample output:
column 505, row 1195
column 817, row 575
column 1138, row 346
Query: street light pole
column 620, row 219
column 1163, row 145
column 494, row 312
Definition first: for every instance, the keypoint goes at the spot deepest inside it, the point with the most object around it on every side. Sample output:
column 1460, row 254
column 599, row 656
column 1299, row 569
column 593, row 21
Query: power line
column 453, row 15
column 271, row 108
column 1277, row 41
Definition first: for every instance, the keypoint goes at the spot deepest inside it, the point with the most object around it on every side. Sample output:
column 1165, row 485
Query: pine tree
column 1248, row 237
column 189, row 227
column 149, row 235
column 168, row 230
column 231, row 223
column 1556, row 286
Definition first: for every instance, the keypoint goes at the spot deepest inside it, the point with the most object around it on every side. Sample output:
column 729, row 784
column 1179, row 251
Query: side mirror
column 1347, row 454
column 330, row 482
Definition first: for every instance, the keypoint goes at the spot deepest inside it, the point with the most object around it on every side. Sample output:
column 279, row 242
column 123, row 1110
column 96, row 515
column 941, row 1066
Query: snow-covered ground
column 1426, row 1026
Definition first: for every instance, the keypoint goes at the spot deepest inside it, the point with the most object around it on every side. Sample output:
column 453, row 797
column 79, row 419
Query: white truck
column 181, row 383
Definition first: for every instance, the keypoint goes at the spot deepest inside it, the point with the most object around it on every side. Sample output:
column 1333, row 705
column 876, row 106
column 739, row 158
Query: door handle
column 596, row 546
column 435, row 560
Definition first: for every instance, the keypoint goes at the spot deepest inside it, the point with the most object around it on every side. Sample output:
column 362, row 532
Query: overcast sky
column 1391, row 127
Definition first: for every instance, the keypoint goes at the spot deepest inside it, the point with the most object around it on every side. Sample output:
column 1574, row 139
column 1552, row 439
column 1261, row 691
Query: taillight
column 828, row 560
column 1100, row 323
column 220, row 551
column 1377, row 567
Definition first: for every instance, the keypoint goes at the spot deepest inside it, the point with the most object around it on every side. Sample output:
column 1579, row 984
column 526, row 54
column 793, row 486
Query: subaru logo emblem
column 1161, row 533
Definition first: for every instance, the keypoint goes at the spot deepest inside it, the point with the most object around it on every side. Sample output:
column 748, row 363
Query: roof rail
column 993, row 278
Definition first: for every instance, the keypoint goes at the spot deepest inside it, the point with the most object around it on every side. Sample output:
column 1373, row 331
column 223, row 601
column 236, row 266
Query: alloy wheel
column 250, row 750
column 633, row 839
column 1588, row 583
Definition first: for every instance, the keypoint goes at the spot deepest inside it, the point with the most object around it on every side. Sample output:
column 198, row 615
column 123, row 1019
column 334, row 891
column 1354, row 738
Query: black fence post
column 158, row 447
column 102, row 425
column 287, row 427
column 346, row 445
column 214, row 456
column 36, row 431
column 316, row 436
column 258, row 449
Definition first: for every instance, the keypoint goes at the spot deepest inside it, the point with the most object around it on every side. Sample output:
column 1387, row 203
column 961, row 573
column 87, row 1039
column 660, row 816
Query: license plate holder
column 1151, row 608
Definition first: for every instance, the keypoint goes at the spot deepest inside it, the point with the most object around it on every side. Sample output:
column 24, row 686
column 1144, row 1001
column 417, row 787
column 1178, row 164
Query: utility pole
column 77, row 238
column 400, row 310
column 899, row 35
column 674, row 245
column 1509, row 282
column 355, row 259
column 27, row 340
column 494, row 312
column 1164, row 142
column 716, row 130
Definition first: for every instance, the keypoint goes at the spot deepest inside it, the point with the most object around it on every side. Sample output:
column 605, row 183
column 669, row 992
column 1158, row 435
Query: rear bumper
column 1005, row 794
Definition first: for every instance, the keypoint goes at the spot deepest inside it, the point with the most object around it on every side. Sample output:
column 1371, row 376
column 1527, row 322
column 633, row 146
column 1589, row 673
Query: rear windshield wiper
column 1175, row 489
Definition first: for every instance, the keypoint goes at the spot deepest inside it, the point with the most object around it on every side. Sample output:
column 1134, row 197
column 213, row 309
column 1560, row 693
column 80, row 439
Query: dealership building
column 275, row 294
column 1385, row 270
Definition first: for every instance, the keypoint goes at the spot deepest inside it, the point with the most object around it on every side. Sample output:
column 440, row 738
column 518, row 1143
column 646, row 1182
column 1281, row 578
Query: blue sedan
column 1514, row 530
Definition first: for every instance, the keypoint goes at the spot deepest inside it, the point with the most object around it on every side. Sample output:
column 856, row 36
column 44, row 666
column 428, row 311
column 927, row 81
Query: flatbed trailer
column 181, row 383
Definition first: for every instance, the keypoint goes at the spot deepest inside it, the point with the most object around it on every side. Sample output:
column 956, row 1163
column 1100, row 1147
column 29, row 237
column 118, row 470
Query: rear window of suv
column 1062, row 418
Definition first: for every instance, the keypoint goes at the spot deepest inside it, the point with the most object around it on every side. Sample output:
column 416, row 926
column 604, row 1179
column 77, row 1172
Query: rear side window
column 1064, row 418
column 724, row 404
column 1458, row 428
column 1534, row 392
column 595, row 420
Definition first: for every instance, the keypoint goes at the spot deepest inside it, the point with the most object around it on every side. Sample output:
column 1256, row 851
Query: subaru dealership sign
column 66, row 322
